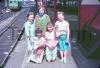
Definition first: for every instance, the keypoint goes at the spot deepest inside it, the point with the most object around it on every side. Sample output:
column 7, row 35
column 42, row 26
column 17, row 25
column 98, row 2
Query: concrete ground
column 19, row 56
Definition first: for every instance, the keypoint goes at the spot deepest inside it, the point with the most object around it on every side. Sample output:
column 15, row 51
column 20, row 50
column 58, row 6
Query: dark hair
column 30, row 13
column 38, row 31
column 60, row 12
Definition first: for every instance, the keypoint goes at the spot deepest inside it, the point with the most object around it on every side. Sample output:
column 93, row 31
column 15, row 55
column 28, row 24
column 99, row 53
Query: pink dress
column 51, row 48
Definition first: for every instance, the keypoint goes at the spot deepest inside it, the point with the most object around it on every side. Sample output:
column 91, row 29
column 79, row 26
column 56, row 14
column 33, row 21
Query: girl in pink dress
column 51, row 42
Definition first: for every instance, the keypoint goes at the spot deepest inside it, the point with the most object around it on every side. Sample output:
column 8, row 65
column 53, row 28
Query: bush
column 68, row 10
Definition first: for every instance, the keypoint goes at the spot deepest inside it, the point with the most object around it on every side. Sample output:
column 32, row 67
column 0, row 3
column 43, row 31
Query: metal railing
column 20, row 33
column 88, row 33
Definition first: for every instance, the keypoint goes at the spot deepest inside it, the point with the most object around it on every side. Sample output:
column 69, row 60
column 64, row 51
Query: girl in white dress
column 30, row 30
column 62, row 33
column 38, row 49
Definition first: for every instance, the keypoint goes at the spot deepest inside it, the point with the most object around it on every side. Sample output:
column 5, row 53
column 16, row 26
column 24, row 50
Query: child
column 30, row 30
column 51, row 49
column 41, row 20
column 38, row 49
column 62, row 33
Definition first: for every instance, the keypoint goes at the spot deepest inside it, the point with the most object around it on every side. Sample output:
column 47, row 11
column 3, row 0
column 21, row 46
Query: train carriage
column 14, row 4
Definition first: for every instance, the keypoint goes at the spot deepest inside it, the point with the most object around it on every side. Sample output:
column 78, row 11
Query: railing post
column 54, row 10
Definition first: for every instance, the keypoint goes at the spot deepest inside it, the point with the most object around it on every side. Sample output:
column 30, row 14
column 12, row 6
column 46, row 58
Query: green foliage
column 87, row 41
column 95, row 54
column 68, row 10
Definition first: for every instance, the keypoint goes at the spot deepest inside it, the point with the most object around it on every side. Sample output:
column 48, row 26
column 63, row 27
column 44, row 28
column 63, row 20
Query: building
column 89, row 28
column 87, row 10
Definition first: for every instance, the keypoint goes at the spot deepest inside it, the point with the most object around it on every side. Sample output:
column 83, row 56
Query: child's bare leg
column 61, row 54
column 65, row 56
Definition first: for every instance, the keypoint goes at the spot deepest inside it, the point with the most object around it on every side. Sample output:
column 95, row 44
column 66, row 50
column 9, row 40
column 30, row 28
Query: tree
column 64, row 3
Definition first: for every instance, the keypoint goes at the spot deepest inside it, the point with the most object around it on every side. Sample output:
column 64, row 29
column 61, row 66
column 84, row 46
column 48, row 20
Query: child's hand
column 39, row 51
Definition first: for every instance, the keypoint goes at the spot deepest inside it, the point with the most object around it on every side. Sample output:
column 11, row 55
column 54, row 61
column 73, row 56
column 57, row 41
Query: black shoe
column 32, row 61
column 53, row 60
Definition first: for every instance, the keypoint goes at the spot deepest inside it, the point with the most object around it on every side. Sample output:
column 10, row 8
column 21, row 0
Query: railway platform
column 18, row 57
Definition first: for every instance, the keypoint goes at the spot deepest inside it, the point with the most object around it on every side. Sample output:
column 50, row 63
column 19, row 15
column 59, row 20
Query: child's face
column 60, row 17
column 30, row 17
column 41, row 10
column 39, row 35
column 50, row 28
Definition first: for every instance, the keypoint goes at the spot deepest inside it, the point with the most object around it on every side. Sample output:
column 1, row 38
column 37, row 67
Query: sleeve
column 26, row 29
column 56, row 26
column 40, row 43
column 56, row 29
column 46, row 35
column 35, row 21
column 48, row 18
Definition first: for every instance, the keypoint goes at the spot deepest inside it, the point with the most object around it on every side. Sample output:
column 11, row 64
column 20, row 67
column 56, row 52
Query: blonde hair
column 49, row 24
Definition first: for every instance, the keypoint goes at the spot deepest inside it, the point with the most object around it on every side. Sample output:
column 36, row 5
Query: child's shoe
column 27, row 60
column 48, row 61
column 61, row 60
column 53, row 60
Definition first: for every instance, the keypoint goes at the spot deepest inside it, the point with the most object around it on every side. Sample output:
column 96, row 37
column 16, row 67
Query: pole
column 79, row 5
column 54, row 10
column 5, row 3
column 36, row 5
column 46, row 5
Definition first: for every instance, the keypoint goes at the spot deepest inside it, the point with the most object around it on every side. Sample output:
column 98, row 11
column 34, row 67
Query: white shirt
column 38, row 42
column 29, row 29
column 50, row 35
column 61, row 27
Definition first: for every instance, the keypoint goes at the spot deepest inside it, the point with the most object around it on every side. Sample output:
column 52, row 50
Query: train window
column 14, row 1
column 10, row 1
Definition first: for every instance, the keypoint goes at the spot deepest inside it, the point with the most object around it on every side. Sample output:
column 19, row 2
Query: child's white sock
column 28, row 60
column 61, row 60
column 65, row 61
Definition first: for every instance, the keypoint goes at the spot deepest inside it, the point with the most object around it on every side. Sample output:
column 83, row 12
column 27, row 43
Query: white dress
column 30, row 32
column 37, row 43
column 62, row 28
